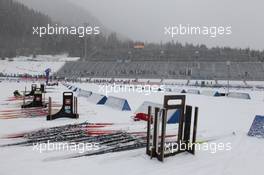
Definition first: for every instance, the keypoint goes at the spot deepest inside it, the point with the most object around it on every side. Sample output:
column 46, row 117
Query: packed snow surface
column 221, row 120
column 34, row 66
column 225, row 119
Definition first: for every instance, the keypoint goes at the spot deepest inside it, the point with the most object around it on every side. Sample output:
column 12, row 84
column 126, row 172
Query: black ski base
column 32, row 92
column 37, row 101
column 69, row 108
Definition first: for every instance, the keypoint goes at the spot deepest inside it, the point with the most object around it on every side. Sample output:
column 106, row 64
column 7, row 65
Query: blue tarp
column 174, row 117
column 102, row 100
column 257, row 127
column 126, row 106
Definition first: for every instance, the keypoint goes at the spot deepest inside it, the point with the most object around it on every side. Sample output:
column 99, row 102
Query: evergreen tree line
column 16, row 33
column 16, row 38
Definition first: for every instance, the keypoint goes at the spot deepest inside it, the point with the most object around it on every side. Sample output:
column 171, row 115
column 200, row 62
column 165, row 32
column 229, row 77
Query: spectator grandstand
column 173, row 52
column 213, row 70
column 165, row 61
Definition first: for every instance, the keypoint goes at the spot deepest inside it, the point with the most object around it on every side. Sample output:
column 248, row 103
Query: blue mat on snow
column 257, row 127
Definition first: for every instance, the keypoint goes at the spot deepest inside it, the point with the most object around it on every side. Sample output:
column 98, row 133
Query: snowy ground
column 28, row 67
column 34, row 66
column 218, row 118
column 47, row 58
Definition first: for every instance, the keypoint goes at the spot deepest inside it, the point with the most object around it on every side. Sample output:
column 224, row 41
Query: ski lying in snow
column 24, row 115
column 73, row 134
column 126, row 145
column 55, row 130
column 55, row 138
column 137, row 144
column 132, row 145
column 69, row 136
column 19, row 110
column 124, row 142
column 118, row 145
column 65, row 128
column 19, row 98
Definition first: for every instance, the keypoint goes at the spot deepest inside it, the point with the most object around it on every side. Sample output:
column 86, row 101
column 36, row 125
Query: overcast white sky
column 145, row 20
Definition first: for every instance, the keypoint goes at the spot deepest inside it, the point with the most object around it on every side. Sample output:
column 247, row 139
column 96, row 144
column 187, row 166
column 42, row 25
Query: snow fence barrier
column 98, row 99
column 239, row 95
column 118, row 103
column 84, row 93
column 193, row 91
column 210, row 93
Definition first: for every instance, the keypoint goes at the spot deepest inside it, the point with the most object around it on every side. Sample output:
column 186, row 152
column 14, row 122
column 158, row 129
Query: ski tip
column 6, row 145
column 59, row 158
column 51, row 159
column 15, row 144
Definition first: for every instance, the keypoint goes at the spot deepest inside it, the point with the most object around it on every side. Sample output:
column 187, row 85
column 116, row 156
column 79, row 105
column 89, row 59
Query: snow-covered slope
column 226, row 119
column 34, row 66
column 221, row 120
column 28, row 67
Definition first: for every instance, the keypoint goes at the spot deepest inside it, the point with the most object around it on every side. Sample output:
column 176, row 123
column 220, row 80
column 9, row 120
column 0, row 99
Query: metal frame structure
column 156, row 130
column 32, row 92
column 68, row 109
column 37, row 100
